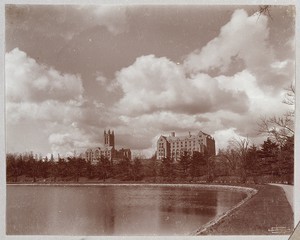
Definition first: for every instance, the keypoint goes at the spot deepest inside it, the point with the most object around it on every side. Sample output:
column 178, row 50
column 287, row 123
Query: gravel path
column 289, row 192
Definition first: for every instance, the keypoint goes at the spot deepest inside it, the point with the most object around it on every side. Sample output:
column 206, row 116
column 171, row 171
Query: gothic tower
column 109, row 139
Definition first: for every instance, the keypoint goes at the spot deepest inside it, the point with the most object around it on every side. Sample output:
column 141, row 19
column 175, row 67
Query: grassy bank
column 267, row 213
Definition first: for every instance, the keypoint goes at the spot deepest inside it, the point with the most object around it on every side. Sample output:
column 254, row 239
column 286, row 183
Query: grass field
column 267, row 213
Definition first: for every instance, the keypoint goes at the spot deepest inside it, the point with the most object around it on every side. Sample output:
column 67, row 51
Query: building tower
column 109, row 139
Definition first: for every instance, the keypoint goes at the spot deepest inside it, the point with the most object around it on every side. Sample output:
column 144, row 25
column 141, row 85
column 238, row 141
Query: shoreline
column 268, row 212
column 250, row 193
column 234, row 186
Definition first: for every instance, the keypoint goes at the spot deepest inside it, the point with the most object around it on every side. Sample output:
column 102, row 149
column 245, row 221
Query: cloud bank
column 233, row 99
column 157, row 84
column 222, row 88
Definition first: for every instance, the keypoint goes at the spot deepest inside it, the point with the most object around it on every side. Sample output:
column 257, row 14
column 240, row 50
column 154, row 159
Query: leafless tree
column 229, row 158
column 289, row 97
column 241, row 147
column 280, row 128
column 235, row 155
column 265, row 10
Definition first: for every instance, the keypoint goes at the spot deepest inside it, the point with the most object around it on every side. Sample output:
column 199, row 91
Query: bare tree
column 230, row 158
column 236, row 156
column 241, row 147
column 280, row 128
column 265, row 10
column 289, row 97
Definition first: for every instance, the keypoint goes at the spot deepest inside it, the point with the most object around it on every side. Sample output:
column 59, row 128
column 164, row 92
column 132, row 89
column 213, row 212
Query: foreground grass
column 267, row 213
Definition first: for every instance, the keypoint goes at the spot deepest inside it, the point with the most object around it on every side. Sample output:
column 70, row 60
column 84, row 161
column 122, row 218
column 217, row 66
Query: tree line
column 240, row 162
column 269, row 162
column 26, row 167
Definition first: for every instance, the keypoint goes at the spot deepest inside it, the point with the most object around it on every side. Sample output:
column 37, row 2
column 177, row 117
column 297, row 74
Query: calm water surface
column 113, row 210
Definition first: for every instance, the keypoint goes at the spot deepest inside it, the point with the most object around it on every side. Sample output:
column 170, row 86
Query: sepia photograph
column 149, row 119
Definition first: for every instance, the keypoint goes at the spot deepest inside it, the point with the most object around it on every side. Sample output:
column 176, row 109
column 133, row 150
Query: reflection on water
column 113, row 210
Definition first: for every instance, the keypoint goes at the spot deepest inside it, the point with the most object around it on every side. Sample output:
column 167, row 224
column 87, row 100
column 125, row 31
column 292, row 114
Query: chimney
column 190, row 134
column 172, row 134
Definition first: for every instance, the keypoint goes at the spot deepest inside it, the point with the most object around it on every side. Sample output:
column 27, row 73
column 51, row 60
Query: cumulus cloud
column 260, row 101
column 158, row 84
column 207, row 92
column 26, row 80
column 49, row 110
column 38, row 94
column 222, row 137
column 244, row 38
column 165, row 121
column 162, row 95
column 69, row 139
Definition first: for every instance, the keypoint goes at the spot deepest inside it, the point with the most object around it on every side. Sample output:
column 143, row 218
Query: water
column 113, row 210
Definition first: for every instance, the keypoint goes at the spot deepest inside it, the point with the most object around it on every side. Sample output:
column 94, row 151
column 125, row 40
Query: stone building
column 173, row 146
column 94, row 154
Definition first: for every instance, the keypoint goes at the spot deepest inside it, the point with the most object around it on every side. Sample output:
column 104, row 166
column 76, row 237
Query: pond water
column 113, row 209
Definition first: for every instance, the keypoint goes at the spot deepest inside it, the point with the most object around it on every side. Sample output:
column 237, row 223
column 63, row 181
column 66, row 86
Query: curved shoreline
column 196, row 185
column 249, row 191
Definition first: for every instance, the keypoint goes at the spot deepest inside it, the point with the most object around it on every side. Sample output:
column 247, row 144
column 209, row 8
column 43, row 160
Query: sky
column 73, row 71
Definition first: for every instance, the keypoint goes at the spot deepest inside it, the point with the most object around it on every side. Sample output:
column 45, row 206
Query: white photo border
column 134, row 2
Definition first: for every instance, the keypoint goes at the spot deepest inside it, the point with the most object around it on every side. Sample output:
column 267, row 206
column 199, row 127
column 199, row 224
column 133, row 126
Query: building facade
column 93, row 155
column 173, row 146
